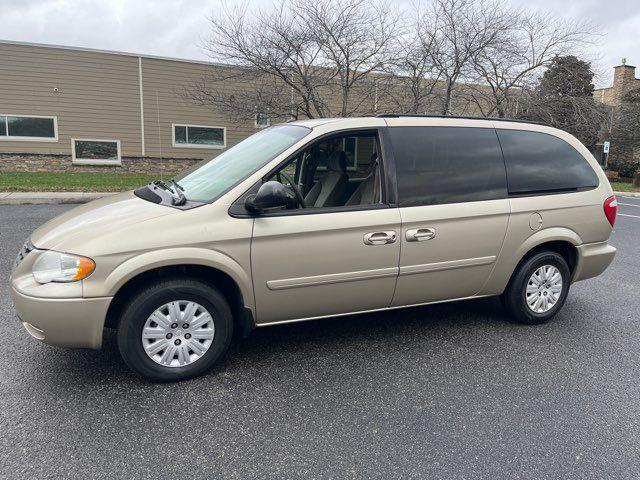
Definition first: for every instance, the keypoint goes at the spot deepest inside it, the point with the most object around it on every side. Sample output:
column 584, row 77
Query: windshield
column 211, row 179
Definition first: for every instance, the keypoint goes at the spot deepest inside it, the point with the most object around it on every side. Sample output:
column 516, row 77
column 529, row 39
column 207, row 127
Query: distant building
column 74, row 109
column 624, row 79
column 68, row 109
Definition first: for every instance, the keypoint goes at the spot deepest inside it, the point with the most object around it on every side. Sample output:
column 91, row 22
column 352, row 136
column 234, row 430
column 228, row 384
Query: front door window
column 339, row 171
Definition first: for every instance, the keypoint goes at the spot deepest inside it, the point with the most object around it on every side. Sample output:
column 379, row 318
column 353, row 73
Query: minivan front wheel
column 175, row 329
column 538, row 288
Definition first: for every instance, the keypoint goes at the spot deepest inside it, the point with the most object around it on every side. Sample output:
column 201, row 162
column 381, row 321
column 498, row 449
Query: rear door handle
column 379, row 238
column 420, row 234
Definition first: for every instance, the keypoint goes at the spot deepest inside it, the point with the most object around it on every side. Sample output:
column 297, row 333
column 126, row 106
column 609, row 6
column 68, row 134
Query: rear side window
column 541, row 163
column 436, row 165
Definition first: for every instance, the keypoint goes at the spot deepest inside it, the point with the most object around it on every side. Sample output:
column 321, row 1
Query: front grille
column 24, row 251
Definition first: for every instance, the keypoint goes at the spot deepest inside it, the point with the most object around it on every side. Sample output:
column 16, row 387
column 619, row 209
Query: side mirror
column 271, row 196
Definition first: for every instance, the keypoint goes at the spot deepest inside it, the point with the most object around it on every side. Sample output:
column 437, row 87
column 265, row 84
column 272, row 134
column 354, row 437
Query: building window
column 95, row 152
column 28, row 128
column 262, row 120
column 350, row 148
column 199, row 136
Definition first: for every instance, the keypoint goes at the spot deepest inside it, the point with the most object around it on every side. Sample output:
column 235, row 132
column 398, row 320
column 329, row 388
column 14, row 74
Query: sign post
column 605, row 149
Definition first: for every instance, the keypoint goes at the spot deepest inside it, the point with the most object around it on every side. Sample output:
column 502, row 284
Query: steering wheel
column 294, row 187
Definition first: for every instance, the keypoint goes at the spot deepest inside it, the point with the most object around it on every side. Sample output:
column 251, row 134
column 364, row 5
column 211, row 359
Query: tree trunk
column 446, row 108
column 345, row 101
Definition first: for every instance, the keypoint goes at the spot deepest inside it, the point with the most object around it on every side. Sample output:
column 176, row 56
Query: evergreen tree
column 625, row 134
column 564, row 99
column 567, row 76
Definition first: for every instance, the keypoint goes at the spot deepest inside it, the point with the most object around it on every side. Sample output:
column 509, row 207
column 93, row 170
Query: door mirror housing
column 272, row 195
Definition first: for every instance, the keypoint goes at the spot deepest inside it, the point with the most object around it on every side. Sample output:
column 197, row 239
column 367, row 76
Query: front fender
column 175, row 256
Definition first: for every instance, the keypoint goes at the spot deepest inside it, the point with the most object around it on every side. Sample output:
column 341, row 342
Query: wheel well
column 566, row 249
column 212, row 276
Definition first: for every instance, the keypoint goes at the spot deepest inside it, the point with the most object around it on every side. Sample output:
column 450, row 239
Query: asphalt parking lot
column 445, row 391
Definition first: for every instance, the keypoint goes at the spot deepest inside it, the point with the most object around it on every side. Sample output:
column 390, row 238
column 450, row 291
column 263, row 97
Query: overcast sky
column 174, row 28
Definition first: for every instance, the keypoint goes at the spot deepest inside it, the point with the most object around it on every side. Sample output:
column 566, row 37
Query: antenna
column 159, row 136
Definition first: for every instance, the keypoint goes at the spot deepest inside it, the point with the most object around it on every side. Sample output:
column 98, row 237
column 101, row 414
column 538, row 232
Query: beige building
column 75, row 109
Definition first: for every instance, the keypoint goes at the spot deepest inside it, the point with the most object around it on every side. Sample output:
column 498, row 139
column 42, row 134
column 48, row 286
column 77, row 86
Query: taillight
column 610, row 209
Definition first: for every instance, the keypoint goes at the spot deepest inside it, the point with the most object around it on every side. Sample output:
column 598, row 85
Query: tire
column 186, row 358
column 514, row 298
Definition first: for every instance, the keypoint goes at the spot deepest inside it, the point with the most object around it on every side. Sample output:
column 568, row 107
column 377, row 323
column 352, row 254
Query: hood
column 94, row 219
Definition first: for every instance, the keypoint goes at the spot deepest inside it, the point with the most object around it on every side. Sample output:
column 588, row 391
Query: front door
column 454, row 208
column 339, row 254
column 314, row 265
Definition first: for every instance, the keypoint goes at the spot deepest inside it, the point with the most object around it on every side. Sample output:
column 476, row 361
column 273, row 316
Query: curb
column 48, row 198
column 617, row 194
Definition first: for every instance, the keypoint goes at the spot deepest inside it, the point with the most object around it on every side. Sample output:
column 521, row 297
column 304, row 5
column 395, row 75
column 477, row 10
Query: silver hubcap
column 178, row 333
column 544, row 289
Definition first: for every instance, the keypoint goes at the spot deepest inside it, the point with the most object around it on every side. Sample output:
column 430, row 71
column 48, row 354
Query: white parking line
column 629, row 204
column 624, row 215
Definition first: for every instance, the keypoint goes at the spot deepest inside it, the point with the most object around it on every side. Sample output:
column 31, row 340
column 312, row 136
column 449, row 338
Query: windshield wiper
column 182, row 199
column 177, row 193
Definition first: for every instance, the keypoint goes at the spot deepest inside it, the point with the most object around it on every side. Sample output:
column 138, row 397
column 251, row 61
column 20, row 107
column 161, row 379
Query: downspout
column 141, row 105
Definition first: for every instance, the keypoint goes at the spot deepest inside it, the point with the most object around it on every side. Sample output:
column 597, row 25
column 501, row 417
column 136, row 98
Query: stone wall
column 20, row 162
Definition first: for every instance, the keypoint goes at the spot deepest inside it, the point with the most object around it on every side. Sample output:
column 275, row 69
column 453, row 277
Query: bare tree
column 269, row 51
column 412, row 76
column 301, row 57
column 243, row 93
column 321, row 58
column 456, row 31
column 506, row 67
column 355, row 38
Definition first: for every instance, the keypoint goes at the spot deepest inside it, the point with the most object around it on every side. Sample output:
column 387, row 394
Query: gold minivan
column 319, row 218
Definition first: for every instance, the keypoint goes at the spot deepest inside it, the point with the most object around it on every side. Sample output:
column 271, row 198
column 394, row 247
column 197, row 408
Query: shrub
column 628, row 169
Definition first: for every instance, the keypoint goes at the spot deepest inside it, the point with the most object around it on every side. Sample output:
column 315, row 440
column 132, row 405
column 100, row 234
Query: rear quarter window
column 541, row 163
column 438, row 165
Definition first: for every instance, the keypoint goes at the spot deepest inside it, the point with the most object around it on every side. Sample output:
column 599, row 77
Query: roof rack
column 463, row 117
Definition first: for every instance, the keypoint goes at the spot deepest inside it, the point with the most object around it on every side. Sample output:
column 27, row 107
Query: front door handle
column 420, row 234
column 379, row 238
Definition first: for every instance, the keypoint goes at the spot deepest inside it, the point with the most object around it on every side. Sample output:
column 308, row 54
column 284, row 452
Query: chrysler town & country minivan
column 318, row 218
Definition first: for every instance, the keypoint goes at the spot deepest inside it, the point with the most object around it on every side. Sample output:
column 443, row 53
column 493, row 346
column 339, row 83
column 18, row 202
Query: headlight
column 61, row 267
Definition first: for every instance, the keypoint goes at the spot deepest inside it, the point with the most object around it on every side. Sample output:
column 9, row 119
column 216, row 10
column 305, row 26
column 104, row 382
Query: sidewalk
column 39, row 198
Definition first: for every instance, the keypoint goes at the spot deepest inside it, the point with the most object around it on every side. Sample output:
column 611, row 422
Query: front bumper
column 593, row 259
column 64, row 322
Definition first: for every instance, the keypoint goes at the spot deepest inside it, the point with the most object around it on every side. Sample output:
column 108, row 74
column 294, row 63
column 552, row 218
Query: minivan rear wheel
column 538, row 288
column 175, row 329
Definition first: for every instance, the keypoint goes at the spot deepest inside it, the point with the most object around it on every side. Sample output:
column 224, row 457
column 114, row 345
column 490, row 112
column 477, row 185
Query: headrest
column 337, row 162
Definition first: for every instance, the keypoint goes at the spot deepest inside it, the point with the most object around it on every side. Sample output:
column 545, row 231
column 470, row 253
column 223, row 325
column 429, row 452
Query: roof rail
column 463, row 117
